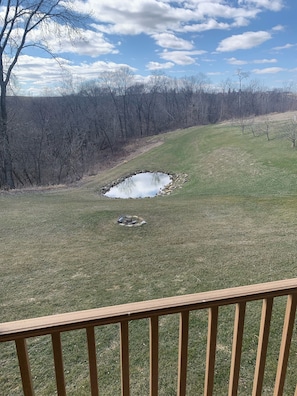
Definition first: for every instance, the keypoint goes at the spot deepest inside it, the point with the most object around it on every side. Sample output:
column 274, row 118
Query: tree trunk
column 7, row 172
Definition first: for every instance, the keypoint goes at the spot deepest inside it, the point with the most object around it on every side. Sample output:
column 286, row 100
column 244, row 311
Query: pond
column 141, row 185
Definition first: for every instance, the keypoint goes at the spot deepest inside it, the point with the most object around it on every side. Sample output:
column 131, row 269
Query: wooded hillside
column 59, row 139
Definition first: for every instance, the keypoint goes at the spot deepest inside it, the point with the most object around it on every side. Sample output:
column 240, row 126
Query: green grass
column 234, row 222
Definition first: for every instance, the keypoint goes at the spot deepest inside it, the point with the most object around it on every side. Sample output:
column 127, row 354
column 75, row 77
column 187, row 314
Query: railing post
column 236, row 348
column 154, row 355
column 92, row 361
column 58, row 360
column 183, row 353
column 262, row 346
column 125, row 358
column 211, row 350
column 24, row 364
column 285, row 344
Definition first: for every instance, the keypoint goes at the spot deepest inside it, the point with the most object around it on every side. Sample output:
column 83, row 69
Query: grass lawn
column 234, row 222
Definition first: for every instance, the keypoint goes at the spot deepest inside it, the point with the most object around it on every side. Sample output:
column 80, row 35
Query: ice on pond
column 141, row 185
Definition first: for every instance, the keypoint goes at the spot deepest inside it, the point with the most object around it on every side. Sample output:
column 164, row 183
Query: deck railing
column 20, row 331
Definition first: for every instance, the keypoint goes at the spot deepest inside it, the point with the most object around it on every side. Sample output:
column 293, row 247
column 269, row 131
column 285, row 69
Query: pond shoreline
column 176, row 181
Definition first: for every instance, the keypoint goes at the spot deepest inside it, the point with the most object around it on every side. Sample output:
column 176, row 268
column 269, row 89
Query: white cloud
column 273, row 5
column 240, row 21
column 42, row 73
column 278, row 28
column 90, row 43
column 181, row 57
column 265, row 61
column 211, row 24
column 223, row 10
column 169, row 40
column 214, row 73
column 132, row 17
column 81, row 42
column 246, row 40
column 234, row 61
column 159, row 66
column 60, row 39
column 269, row 70
column 286, row 46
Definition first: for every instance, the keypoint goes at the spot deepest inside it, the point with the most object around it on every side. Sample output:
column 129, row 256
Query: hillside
column 234, row 222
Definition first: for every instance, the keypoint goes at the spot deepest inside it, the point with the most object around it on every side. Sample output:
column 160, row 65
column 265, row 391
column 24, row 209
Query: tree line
column 55, row 140
column 59, row 139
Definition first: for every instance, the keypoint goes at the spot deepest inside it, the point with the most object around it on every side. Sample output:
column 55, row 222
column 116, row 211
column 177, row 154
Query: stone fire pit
column 131, row 221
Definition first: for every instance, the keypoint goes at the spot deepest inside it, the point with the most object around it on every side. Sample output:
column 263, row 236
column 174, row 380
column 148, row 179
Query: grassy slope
column 233, row 223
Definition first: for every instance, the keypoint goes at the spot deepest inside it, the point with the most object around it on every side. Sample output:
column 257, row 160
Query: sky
column 217, row 38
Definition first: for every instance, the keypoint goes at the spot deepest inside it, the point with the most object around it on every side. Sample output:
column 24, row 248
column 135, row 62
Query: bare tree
column 245, row 122
column 19, row 18
column 267, row 127
column 118, row 83
column 241, row 76
column 290, row 131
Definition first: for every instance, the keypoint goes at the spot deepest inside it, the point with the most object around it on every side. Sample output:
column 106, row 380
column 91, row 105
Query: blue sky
column 178, row 38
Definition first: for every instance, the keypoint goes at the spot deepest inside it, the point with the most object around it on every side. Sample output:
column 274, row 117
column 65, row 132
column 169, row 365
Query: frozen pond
column 142, row 185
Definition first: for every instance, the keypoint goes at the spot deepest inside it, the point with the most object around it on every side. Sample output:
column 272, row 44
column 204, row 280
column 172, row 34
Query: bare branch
column 20, row 18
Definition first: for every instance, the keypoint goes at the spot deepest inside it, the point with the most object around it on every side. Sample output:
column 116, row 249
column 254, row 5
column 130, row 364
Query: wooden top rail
column 10, row 331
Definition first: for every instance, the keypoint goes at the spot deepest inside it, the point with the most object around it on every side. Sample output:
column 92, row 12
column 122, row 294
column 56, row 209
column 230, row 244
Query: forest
column 60, row 139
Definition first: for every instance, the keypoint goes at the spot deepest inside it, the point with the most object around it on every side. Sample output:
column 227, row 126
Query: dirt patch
column 130, row 151
column 273, row 117
column 289, row 115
